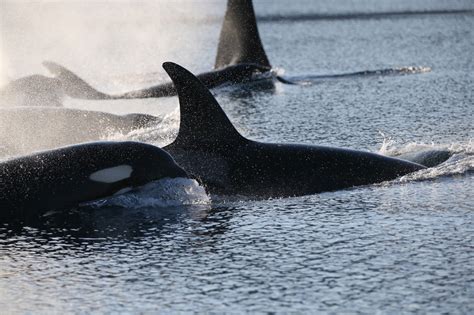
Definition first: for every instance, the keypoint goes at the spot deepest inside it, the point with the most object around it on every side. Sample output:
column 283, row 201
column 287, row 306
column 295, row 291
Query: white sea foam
column 457, row 164
column 162, row 193
column 460, row 162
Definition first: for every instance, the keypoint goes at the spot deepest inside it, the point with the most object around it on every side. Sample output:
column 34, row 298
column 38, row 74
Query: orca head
column 239, row 40
column 151, row 163
column 132, row 164
column 203, row 123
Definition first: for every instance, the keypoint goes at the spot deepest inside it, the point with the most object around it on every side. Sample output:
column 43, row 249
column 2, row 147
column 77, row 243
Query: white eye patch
column 112, row 174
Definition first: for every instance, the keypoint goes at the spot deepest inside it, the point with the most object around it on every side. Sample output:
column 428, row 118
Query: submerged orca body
column 209, row 147
column 33, row 90
column 27, row 129
column 428, row 158
column 33, row 185
column 76, row 87
column 240, row 58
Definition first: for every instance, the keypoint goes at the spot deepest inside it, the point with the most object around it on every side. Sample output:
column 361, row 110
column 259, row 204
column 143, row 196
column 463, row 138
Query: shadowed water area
column 404, row 246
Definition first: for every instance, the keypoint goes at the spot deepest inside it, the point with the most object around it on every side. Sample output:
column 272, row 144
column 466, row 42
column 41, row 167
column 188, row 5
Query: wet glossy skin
column 59, row 179
column 209, row 147
column 267, row 170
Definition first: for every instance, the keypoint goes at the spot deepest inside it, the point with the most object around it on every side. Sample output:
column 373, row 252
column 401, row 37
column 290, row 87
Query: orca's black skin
column 27, row 129
column 428, row 158
column 239, row 41
column 209, row 147
column 60, row 179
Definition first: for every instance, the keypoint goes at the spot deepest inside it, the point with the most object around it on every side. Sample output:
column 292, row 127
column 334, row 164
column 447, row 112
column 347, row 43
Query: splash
column 386, row 144
column 390, row 147
column 460, row 162
column 160, row 134
column 163, row 193
column 153, row 28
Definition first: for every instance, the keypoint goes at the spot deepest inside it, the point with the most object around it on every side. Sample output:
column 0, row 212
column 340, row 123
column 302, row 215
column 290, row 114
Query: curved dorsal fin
column 239, row 41
column 73, row 85
column 202, row 122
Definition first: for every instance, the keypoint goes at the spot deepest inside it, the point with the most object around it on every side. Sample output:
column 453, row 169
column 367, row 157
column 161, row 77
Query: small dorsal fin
column 73, row 85
column 202, row 122
column 239, row 41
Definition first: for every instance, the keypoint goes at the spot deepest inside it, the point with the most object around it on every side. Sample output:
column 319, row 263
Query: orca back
column 210, row 148
column 73, row 85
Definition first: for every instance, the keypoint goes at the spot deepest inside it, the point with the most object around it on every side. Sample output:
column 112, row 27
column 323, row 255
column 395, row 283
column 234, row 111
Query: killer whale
column 33, row 185
column 33, row 90
column 27, row 129
column 209, row 147
column 76, row 87
column 240, row 58
column 239, row 40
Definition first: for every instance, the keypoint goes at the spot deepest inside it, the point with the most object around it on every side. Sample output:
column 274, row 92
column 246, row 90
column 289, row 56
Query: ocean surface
column 399, row 247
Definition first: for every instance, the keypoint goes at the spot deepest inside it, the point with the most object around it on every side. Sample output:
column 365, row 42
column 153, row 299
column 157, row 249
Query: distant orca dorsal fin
column 202, row 122
column 73, row 85
column 239, row 41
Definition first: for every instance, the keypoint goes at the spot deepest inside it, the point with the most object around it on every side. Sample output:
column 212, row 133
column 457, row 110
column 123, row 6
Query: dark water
column 399, row 247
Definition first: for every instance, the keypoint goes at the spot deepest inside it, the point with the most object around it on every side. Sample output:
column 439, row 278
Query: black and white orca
column 33, row 185
column 27, row 129
column 209, row 147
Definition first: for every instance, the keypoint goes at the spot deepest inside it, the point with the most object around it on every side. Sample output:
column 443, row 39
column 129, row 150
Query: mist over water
column 399, row 247
column 114, row 38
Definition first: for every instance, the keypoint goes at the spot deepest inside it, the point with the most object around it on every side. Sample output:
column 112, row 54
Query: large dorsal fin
column 202, row 122
column 73, row 85
column 239, row 41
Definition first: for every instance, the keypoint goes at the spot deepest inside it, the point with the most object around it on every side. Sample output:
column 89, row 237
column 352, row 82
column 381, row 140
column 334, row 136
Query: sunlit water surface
column 399, row 247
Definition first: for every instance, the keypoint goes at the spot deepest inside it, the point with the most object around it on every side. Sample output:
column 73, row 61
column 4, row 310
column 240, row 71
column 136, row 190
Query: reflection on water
column 364, row 249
